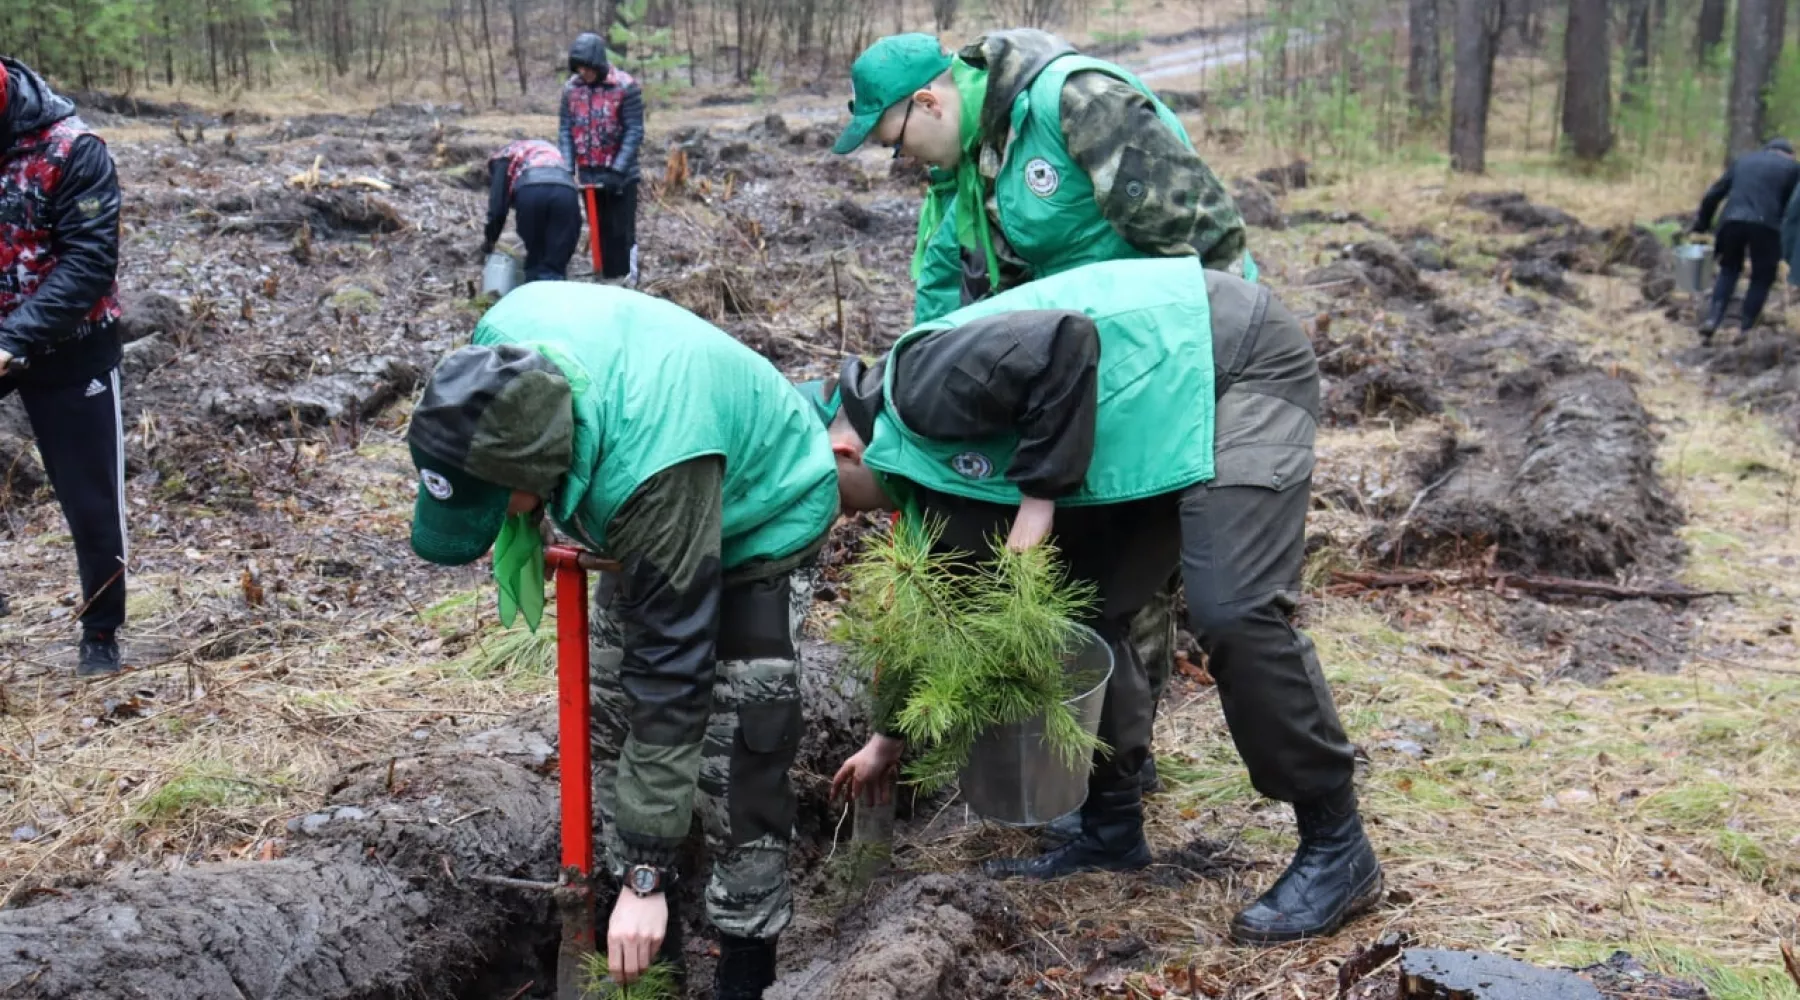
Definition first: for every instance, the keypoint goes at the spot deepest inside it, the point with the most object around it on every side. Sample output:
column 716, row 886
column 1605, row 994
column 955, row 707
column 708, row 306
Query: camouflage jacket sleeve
column 1159, row 195
column 667, row 538
column 939, row 287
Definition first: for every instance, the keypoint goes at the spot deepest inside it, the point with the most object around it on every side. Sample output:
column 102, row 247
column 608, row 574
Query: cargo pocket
column 761, row 796
column 1262, row 440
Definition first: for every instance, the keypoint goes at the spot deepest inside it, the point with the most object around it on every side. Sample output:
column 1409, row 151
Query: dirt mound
column 1547, row 277
column 361, row 390
column 1378, row 266
column 1519, row 212
column 936, row 937
column 1291, row 177
column 1561, row 480
column 1381, row 392
column 1595, row 643
column 1256, row 203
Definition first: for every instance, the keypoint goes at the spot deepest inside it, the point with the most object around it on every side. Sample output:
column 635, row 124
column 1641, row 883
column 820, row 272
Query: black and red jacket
column 518, row 164
column 59, row 237
column 602, row 124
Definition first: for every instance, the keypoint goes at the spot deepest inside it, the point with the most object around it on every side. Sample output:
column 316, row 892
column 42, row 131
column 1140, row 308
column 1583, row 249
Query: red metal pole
column 575, row 898
column 593, row 211
column 572, row 709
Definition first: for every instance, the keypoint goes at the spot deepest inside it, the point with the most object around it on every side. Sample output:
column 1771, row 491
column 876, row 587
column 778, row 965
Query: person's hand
column 487, row 247
column 634, row 933
column 870, row 772
column 6, row 360
column 1032, row 523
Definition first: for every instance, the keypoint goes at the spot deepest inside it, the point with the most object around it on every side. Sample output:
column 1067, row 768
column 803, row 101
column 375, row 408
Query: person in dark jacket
column 1155, row 418
column 532, row 176
column 1756, row 189
column 602, row 128
column 59, row 332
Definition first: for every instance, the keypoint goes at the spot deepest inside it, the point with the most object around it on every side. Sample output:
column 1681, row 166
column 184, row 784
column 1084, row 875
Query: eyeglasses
column 905, row 120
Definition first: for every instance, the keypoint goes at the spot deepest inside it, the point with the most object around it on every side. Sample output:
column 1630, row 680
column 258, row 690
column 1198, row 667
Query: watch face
column 643, row 880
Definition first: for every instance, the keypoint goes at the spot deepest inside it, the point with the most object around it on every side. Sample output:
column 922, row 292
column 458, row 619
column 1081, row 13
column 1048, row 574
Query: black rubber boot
column 1334, row 876
column 1112, row 840
column 99, row 655
column 746, row 968
column 1067, row 827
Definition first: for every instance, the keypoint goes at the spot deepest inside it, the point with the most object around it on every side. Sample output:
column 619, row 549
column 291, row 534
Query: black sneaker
column 99, row 657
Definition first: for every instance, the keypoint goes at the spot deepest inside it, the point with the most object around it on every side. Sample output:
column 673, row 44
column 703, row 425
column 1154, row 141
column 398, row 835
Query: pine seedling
column 953, row 650
column 657, row 983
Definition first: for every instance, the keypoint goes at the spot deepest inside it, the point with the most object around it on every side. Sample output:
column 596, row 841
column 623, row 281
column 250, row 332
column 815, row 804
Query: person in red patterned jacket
column 59, row 332
column 601, row 130
column 532, row 176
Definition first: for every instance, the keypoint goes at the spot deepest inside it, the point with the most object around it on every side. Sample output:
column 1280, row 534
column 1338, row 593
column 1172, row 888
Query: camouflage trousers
column 746, row 801
column 1153, row 636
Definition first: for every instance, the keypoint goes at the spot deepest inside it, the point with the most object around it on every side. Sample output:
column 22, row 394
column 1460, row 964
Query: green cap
column 493, row 419
column 457, row 517
column 887, row 73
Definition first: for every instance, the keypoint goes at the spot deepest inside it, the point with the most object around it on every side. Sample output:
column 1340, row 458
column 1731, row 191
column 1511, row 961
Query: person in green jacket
column 1058, row 160
column 1074, row 161
column 1155, row 418
column 651, row 437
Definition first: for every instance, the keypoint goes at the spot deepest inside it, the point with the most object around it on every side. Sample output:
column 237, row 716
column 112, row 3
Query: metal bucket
column 502, row 274
column 1012, row 776
column 1693, row 268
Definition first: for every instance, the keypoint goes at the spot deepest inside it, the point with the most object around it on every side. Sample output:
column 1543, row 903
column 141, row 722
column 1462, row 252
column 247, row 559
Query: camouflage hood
column 1012, row 60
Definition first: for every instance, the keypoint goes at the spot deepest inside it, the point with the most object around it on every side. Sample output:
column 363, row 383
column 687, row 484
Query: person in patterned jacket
column 532, row 176
column 601, row 130
column 59, row 332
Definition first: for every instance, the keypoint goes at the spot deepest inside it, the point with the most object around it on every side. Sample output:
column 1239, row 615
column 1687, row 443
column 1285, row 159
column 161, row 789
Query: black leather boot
column 1067, row 827
column 1334, row 876
column 746, row 968
column 1111, row 840
column 1715, row 317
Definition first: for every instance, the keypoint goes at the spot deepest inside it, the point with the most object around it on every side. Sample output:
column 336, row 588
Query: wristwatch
column 648, row 881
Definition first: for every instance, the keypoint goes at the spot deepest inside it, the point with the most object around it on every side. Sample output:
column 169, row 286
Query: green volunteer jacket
column 739, row 470
column 1082, row 164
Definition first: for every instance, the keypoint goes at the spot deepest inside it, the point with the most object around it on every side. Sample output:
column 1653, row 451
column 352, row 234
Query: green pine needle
column 953, row 649
column 657, row 982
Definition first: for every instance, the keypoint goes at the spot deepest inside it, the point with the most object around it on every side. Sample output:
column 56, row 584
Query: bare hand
column 869, row 774
column 1032, row 523
column 634, row 934
column 6, row 360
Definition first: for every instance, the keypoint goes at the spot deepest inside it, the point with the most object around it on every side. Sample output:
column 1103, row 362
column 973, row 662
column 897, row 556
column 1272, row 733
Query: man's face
column 927, row 127
column 589, row 75
column 857, row 487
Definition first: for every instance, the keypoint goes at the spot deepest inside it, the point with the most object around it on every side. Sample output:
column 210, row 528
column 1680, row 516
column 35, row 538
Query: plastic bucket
column 1012, row 776
column 502, row 274
column 1693, row 268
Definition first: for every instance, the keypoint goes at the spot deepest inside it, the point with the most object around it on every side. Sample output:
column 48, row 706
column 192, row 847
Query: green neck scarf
column 519, row 570
column 963, row 186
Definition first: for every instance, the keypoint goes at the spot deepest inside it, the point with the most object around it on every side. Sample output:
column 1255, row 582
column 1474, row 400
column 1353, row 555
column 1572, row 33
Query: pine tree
column 953, row 649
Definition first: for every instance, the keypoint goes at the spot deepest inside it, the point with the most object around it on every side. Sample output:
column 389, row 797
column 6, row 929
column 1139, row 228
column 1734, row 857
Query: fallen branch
column 1350, row 582
column 1792, row 963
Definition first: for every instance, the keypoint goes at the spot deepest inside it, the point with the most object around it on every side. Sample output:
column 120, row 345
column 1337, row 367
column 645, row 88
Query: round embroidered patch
column 1041, row 177
column 972, row 465
column 436, row 484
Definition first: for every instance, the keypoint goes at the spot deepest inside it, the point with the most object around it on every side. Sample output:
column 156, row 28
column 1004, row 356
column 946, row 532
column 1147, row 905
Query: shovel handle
column 593, row 215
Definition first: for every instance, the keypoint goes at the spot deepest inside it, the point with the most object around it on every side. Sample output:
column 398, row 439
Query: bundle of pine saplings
column 953, row 646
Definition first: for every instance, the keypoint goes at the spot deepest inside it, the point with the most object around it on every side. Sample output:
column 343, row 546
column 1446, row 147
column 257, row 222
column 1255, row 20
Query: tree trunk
column 1425, row 62
column 1587, row 90
column 1637, row 52
column 377, row 898
column 1752, row 62
column 487, row 40
column 1477, row 29
column 518, row 30
column 1711, row 30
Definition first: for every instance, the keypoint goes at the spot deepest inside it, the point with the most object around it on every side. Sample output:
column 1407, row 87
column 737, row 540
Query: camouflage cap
column 493, row 419
column 887, row 73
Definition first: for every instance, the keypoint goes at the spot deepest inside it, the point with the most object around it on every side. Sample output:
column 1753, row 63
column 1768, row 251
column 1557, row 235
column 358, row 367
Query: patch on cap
column 436, row 484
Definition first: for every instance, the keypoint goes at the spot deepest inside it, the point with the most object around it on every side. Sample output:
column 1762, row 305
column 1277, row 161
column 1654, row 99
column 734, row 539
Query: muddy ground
column 282, row 320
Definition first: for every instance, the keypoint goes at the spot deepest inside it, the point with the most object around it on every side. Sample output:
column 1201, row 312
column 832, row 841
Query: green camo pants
column 746, row 800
